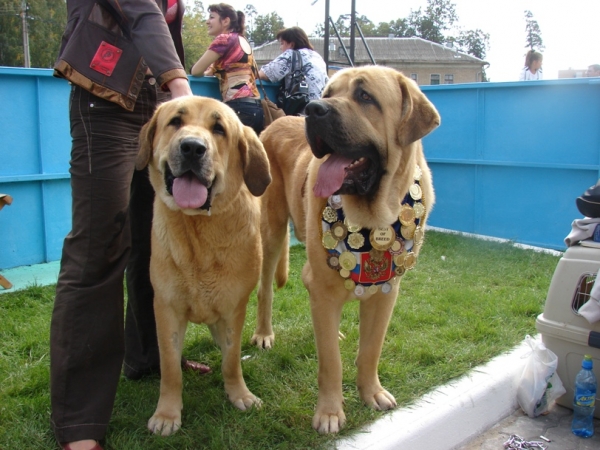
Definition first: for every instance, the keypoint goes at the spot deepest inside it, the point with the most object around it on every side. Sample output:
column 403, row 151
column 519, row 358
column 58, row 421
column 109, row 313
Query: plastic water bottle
column 584, row 400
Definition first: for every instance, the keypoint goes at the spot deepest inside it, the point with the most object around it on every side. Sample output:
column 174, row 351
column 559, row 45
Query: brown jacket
column 108, row 46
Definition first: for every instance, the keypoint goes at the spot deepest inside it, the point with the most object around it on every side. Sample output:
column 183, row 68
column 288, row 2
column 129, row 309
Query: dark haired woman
column 533, row 66
column 230, row 59
column 313, row 66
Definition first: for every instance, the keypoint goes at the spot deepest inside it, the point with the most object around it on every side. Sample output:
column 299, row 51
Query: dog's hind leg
column 275, row 245
column 375, row 314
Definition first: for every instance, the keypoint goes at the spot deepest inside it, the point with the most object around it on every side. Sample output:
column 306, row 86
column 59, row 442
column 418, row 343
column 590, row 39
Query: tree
column 534, row 34
column 46, row 21
column 266, row 28
column 439, row 16
column 195, row 35
column 251, row 12
column 476, row 43
column 473, row 42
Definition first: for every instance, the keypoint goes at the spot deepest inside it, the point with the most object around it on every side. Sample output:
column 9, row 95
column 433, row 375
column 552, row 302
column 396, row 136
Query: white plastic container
column 563, row 330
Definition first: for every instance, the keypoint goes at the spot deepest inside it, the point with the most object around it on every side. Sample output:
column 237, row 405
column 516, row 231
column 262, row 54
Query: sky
column 570, row 29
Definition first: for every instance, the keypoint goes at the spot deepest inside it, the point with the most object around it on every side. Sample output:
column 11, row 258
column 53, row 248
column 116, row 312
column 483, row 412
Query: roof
column 383, row 49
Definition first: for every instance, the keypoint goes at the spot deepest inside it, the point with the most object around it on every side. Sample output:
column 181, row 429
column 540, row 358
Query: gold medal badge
column 339, row 231
column 419, row 209
column 408, row 231
column 418, row 173
column 410, row 261
column 419, row 235
column 407, row 215
column 329, row 241
column 348, row 260
column 373, row 289
column 349, row 284
column 351, row 227
column 329, row 214
column 415, row 192
column 356, row 240
column 382, row 238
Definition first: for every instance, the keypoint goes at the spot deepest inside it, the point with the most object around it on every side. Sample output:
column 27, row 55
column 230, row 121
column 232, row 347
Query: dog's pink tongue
column 188, row 192
column 331, row 175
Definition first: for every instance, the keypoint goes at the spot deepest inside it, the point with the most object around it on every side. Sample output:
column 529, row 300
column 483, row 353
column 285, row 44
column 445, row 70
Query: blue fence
column 508, row 160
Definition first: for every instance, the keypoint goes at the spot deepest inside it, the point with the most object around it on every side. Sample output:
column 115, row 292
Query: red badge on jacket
column 106, row 58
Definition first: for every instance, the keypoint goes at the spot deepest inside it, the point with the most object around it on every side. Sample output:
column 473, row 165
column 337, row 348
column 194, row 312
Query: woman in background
column 313, row 66
column 230, row 59
column 533, row 66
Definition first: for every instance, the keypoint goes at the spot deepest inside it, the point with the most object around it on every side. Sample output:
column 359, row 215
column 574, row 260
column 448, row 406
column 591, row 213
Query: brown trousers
column 111, row 223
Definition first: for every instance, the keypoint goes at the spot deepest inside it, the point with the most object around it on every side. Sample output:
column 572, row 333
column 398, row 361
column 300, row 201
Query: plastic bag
column 540, row 385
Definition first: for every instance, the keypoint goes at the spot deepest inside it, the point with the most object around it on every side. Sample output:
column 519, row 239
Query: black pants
column 110, row 234
column 250, row 113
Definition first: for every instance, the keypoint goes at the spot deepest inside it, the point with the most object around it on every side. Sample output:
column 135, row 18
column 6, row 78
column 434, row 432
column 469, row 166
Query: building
column 425, row 62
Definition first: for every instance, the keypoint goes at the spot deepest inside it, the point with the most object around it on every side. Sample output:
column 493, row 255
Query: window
column 414, row 76
column 435, row 78
column 448, row 78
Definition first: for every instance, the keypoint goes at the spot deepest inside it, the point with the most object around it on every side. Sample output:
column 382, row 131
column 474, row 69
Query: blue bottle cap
column 587, row 362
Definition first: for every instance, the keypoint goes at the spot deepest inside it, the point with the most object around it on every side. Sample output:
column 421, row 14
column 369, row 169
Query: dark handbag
column 293, row 96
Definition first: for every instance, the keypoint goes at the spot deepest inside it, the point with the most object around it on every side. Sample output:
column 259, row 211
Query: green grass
column 453, row 313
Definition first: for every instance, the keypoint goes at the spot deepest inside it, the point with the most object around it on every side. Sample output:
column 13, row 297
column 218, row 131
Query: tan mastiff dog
column 207, row 170
column 353, row 179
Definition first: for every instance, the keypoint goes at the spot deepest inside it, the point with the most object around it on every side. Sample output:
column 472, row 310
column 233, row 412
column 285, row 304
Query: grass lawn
column 466, row 301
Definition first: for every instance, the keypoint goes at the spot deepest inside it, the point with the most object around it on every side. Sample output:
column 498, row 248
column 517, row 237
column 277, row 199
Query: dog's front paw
column 164, row 424
column 246, row 401
column 326, row 423
column 380, row 401
column 265, row 341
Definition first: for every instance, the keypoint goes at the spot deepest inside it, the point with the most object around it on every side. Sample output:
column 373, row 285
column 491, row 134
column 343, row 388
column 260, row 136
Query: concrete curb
column 453, row 414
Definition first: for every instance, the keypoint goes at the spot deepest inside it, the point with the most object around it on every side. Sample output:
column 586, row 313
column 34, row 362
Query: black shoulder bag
column 293, row 96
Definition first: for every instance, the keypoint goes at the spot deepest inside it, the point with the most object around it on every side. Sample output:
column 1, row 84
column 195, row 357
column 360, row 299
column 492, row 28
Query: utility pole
column 25, row 34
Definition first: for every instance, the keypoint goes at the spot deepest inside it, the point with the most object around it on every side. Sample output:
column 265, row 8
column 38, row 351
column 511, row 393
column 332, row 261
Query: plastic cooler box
column 563, row 330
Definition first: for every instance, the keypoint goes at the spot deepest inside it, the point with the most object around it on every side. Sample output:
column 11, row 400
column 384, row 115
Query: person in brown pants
column 122, row 57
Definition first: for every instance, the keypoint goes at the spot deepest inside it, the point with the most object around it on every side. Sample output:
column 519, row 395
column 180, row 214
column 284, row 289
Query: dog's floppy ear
column 419, row 116
column 146, row 142
column 255, row 162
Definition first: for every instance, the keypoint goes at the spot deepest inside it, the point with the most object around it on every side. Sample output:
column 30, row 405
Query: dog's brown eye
column 218, row 129
column 175, row 122
column 365, row 96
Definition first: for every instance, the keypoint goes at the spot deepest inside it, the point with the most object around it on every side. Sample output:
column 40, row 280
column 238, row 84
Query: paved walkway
column 555, row 426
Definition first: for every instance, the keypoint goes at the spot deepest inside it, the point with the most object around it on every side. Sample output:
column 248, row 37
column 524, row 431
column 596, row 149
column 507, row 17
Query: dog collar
column 370, row 260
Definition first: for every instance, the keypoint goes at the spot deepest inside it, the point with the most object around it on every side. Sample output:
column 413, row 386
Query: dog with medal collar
column 353, row 178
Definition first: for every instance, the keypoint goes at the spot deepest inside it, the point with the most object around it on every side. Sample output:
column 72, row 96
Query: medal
column 381, row 238
column 418, row 173
column 408, row 231
column 386, row 288
column 329, row 242
column 359, row 290
column 347, row 260
column 329, row 214
column 410, row 261
column 415, row 192
column 419, row 235
column 339, row 231
column 373, row 289
column 333, row 262
column 356, row 240
column 349, row 284
column 335, row 201
column 419, row 210
column 407, row 215
column 351, row 228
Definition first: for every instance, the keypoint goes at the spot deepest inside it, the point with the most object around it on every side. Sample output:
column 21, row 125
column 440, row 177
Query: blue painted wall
column 508, row 160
